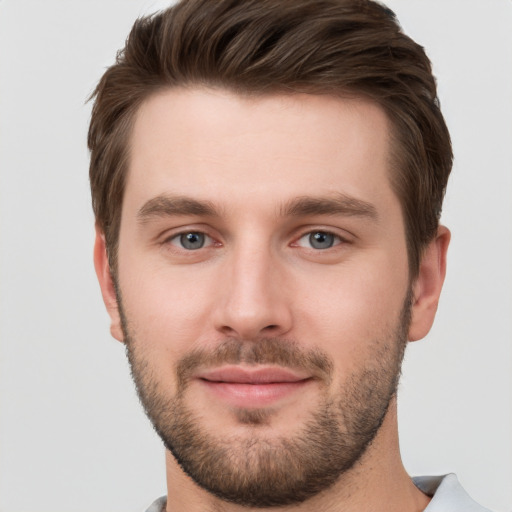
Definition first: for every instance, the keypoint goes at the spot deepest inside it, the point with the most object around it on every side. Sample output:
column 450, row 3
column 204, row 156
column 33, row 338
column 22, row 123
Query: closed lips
column 238, row 375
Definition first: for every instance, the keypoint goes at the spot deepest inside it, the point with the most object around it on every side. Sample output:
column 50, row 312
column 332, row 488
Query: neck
column 377, row 482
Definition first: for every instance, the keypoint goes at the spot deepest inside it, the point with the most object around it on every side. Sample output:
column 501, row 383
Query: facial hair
column 262, row 471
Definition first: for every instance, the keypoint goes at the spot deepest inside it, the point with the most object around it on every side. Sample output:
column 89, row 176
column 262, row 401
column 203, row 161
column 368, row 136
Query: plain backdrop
column 72, row 434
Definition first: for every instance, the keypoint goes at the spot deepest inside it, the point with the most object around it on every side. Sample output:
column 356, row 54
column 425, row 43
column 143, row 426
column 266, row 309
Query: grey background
column 72, row 436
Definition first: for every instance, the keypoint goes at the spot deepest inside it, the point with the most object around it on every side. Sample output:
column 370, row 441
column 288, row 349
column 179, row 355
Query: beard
column 257, row 470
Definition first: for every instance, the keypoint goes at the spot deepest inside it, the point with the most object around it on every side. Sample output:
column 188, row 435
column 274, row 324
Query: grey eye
column 321, row 240
column 192, row 241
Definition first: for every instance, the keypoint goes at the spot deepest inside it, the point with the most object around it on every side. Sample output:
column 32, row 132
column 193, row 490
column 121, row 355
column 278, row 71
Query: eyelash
column 180, row 238
column 209, row 241
column 336, row 239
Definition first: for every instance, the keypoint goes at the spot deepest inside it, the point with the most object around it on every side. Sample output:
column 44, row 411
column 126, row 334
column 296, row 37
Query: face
column 262, row 286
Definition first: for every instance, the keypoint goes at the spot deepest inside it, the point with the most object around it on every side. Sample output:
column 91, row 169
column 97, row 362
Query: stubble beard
column 261, row 471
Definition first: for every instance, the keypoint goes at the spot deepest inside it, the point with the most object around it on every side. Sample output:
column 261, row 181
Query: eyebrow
column 168, row 206
column 341, row 204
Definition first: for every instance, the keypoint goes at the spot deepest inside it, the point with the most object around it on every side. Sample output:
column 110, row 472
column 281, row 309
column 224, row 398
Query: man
column 267, row 179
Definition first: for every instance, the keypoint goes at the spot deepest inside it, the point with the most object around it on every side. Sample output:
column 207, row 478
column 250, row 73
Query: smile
column 252, row 388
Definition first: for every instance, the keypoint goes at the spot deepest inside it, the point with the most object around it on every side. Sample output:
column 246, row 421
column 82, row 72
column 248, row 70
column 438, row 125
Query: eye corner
column 189, row 240
column 319, row 240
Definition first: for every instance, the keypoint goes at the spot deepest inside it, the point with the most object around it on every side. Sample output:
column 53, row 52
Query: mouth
column 252, row 388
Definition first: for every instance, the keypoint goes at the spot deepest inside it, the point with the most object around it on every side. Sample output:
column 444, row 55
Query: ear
column 427, row 286
column 107, row 284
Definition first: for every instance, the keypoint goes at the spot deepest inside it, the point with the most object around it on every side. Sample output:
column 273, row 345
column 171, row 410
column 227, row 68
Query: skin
column 258, row 275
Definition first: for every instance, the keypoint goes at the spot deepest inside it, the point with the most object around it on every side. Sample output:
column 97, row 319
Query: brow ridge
column 167, row 206
column 340, row 204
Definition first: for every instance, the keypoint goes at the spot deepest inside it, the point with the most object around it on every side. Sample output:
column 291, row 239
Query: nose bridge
column 254, row 303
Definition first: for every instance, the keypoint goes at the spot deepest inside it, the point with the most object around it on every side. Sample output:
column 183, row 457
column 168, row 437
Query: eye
column 319, row 240
column 191, row 241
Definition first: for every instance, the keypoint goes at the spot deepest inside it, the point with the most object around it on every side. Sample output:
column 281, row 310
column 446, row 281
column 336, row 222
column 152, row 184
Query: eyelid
column 344, row 238
column 337, row 240
column 177, row 238
column 174, row 234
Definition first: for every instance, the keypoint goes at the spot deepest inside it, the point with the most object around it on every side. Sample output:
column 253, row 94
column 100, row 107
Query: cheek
column 348, row 310
column 167, row 308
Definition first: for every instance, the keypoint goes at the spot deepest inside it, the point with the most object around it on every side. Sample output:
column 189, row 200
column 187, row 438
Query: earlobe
column 106, row 282
column 427, row 286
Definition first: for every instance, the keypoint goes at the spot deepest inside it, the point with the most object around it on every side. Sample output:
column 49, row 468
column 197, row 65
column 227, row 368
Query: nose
column 253, row 299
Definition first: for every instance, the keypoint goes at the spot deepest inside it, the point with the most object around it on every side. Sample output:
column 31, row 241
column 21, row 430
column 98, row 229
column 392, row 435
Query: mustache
column 268, row 351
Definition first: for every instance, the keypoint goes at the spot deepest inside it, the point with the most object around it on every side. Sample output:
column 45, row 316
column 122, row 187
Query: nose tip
column 253, row 317
column 248, row 329
column 254, row 302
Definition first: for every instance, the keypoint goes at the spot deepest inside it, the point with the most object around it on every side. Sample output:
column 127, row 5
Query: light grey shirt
column 447, row 494
column 446, row 491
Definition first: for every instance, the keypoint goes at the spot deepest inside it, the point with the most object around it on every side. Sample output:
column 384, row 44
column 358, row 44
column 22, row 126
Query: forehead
column 215, row 145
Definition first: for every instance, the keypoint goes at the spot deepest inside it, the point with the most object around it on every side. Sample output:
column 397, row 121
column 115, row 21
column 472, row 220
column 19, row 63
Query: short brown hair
column 259, row 47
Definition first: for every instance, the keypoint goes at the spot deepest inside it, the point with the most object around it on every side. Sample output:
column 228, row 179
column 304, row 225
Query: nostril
column 226, row 329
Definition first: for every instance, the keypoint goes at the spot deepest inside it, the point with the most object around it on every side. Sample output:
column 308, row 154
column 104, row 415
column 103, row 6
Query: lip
column 252, row 387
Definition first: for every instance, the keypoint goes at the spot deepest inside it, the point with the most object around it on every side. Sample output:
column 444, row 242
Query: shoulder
column 158, row 505
column 447, row 494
